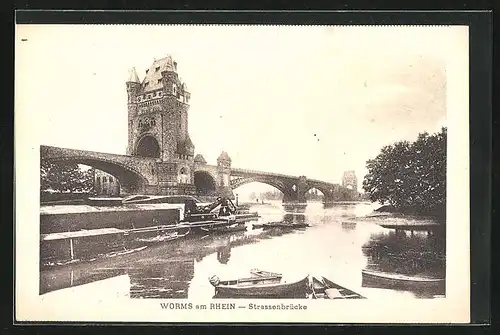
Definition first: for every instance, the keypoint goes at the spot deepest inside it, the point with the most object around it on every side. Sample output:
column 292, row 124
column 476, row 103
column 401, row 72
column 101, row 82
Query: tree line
column 65, row 178
column 410, row 176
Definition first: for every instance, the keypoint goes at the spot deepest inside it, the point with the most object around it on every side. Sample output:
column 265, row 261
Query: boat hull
column 385, row 280
column 320, row 290
column 222, row 230
column 265, row 290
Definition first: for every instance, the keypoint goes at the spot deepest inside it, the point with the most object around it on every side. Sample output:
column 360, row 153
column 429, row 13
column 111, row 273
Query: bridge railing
column 271, row 174
column 262, row 173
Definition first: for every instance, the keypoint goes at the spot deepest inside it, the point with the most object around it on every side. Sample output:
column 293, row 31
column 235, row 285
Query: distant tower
column 105, row 184
column 158, row 125
column 349, row 180
column 223, row 174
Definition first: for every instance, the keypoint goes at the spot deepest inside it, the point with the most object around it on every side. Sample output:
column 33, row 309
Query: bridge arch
column 131, row 180
column 204, row 182
column 148, row 146
column 326, row 190
column 313, row 193
column 235, row 183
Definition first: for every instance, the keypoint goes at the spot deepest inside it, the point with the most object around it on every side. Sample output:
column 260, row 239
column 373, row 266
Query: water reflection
column 224, row 253
column 348, row 226
column 335, row 245
column 294, row 218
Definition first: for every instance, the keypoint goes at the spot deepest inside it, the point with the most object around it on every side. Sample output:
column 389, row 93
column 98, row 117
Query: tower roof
column 132, row 76
column 200, row 159
column 224, row 157
column 188, row 143
column 153, row 73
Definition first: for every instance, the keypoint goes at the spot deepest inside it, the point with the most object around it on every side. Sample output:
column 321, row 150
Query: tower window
column 110, row 179
column 159, row 81
column 157, row 69
column 104, row 179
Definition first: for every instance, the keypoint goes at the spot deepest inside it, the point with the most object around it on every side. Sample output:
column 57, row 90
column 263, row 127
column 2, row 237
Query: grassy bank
column 438, row 213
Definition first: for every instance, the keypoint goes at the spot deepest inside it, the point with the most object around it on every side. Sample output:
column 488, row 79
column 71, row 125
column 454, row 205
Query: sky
column 302, row 100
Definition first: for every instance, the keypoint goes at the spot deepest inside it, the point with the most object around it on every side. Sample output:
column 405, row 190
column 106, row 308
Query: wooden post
column 71, row 249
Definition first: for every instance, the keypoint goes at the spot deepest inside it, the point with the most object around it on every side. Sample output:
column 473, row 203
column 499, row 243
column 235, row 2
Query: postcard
column 218, row 173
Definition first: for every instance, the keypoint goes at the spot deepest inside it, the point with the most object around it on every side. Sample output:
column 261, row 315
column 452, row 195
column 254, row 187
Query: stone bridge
column 143, row 175
column 294, row 188
column 134, row 173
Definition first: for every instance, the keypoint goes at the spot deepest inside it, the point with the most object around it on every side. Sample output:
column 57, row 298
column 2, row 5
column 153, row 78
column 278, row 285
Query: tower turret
column 133, row 90
column 224, row 175
column 224, row 161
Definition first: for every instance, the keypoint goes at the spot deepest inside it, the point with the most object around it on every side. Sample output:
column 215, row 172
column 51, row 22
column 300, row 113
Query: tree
column 65, row 178
column 410, row 175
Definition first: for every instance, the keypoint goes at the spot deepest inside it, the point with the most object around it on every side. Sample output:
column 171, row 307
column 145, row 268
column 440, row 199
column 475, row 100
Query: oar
column 245, row 280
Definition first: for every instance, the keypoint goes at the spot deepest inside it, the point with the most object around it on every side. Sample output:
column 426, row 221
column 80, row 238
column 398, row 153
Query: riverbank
column 402, row 222
column 438, row 213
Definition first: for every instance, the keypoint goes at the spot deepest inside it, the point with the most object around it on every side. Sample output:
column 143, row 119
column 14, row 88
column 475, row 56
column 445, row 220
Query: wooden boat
column 224, row 229
column 326, row 289
column 163, row 237
column 244, row 217
column 258, row 286
column 379, row 279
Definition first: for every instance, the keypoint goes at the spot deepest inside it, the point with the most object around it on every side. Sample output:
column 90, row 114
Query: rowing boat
column 225, row 229
column 171, row 236
column 326, row 289
column 258, row 286
column 377, row 279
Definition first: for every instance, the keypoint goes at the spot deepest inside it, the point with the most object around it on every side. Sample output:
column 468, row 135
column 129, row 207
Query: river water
column 336, row 245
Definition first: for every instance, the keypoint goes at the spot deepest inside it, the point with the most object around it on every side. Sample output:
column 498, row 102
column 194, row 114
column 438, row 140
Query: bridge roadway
column 144, row 174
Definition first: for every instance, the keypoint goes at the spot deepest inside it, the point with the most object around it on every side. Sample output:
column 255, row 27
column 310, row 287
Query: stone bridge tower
column 158, row 126
column 224, row 175
column 350, row 181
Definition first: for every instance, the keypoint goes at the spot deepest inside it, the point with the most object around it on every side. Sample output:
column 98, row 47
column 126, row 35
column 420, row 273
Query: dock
column 87, row 244
column 81, row 233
